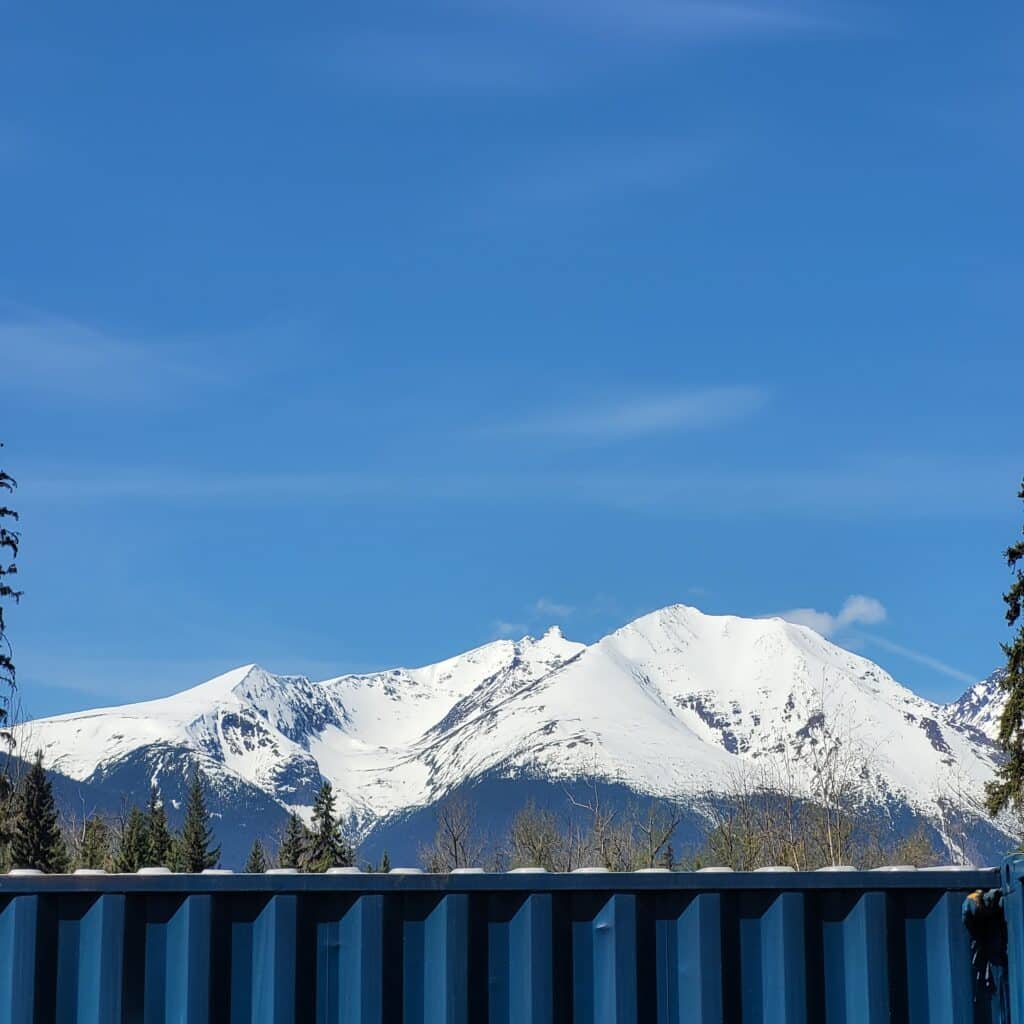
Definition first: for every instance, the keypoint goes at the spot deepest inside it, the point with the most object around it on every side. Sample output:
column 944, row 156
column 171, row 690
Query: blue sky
column 341, row 336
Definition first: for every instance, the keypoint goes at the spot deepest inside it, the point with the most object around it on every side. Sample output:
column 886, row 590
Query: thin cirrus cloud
column 875, row 489
column 639, row 417
column 530, row 46
column 597, row 174
column 505, row 629
column 921, row 659
column 406, row 62
column 683, row 20
column 545, row 606
column 58, row 356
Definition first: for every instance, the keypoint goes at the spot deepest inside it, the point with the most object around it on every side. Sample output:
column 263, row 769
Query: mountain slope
column 980, row 707
column 676, row 703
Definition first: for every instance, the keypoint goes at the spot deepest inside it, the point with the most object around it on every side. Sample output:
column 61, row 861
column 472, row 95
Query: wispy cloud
column 921, row 659
column 59, row 356
column 856, row 610
column 675, row 21
column 510, row 629
column 404, row 61
column 597, row 173
column 637, row 417
column 878, row 488
column 528, row 46
column 545, row 606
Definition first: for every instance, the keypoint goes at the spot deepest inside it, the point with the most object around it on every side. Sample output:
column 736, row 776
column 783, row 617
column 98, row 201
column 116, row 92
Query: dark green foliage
column 37, row 841
column 1007, row 789
column 194, row 851
column 159, row 842
column 257, row 861
column 96, row 847
column 382, row 867
column 668, row 858
column 133, row 847
column 292, row 851
column 9, row 541
column 327, row 847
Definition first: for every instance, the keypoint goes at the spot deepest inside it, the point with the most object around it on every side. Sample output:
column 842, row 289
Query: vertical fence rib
column 274, row 961
column 446, row 962
column 19, row 922
column 361, row 963
column 950, row 995
column 783, row 961
column 101, row 960
column 866, row 961
column 699, row 961
column 531, row 992
column 614, row 968
column 188, row 952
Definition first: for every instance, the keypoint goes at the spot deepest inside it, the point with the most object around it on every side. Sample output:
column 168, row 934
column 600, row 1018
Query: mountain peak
column 676, row 702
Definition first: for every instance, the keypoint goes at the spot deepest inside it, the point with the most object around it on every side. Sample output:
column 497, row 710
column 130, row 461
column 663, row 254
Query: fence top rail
column 532, row 881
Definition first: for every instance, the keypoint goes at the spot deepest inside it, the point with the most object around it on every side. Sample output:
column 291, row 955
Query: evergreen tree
column 96, row 849
column 9, row 540
column 385, row 863
column 133, row 846
column 257, row 861
column 159, row 841
column 1007, row 789
column 327, row 846
column 194, row 850
column 37, row 841
column 292, row 850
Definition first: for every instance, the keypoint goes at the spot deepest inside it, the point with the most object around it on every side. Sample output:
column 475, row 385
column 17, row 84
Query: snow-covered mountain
column 676, row 703
column 980, row 707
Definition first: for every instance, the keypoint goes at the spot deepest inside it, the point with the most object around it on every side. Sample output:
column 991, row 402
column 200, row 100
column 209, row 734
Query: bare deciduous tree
column 456, row 843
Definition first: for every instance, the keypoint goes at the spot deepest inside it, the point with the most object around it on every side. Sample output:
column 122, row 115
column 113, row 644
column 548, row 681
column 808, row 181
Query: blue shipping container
column 767, row 947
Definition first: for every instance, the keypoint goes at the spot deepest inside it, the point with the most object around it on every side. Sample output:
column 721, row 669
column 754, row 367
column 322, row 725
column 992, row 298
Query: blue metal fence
column 767, row 947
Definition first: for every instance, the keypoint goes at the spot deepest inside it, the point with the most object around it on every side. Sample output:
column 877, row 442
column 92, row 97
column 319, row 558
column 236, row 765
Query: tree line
column 758, row 827
column 39, row 836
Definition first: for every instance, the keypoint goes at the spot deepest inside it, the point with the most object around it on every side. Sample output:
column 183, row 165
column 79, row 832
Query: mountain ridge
column 675, row 703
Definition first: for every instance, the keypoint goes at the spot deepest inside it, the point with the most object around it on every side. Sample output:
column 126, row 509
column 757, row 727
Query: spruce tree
column 37, row 841
column 292, row 850
column 133, row 846
column 257, row 861
column 159, row 841
column 194, row 850
column 327, row 846
column 9, row 540
column 96, row 850
column 1007, row 789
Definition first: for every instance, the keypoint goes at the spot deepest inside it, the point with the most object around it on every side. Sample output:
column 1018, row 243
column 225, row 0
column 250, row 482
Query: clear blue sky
column 339, row 336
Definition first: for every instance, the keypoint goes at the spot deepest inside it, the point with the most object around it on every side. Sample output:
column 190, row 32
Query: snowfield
column 676, row 703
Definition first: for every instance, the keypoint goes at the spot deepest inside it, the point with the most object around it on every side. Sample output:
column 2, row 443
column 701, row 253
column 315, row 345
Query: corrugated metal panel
column 646, row 948
column 1013, row 906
